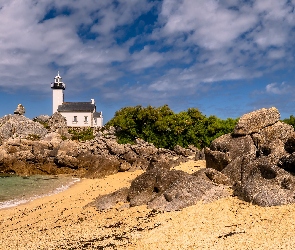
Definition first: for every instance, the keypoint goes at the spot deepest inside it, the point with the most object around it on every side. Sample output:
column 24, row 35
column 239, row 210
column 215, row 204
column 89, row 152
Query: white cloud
column 145, row 59
column 276, row 54
column 30, row 45
column 278, row 89
column 192, row 44
column 207, row 23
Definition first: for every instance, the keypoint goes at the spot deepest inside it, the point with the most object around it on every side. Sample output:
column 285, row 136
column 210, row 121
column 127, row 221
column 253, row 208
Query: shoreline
column 62, row 221
column 39, row 194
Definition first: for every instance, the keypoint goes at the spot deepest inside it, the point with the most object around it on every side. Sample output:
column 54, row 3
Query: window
column 95, row 121
column 85, row 119
column 75, row 119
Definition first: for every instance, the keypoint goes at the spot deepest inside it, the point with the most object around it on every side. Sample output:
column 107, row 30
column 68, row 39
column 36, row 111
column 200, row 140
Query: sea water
column 15, row 190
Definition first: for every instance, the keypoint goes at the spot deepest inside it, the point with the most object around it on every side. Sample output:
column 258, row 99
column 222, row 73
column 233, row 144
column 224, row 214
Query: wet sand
column 62, row 221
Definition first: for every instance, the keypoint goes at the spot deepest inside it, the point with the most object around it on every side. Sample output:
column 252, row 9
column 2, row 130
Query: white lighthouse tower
column 57, row 90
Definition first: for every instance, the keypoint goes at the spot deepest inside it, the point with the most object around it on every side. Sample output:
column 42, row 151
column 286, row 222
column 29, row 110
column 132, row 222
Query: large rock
column 216, row 159
column 234, row 146
column 116, row 148
column 200, row 155
column 143, row 148
column 18, row 126
column 256, row 158
column 101, row 166
column 150, row 184
column 166, row 190
column 239, row 168
column 256, row 120
column 26, row 157
column 141, row 163
column 272, row 139
column 268, row 185
column 226, row 148
column 160, row 161
column 58, row 123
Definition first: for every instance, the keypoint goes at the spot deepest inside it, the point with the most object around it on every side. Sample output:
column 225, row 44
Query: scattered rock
column 184, row 152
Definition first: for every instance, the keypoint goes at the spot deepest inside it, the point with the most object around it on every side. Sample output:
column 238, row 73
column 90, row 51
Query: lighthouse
column 57, row 91
column 77, row 114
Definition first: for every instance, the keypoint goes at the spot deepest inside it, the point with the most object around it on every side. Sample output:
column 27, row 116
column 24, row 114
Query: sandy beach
column 62, row 221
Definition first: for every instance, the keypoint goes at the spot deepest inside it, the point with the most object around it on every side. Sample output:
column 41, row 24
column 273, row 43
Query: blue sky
column 225, row 57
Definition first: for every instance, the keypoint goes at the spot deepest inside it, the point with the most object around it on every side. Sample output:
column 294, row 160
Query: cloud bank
column 144, row 50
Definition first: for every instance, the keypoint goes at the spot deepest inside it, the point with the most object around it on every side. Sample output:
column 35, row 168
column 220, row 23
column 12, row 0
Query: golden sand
column 62, row 222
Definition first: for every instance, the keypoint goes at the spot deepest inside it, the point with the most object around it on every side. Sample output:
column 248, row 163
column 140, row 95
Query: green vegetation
column 82, row 135
column 290, row 121
column 33, row 137
column 45, row 124
column 63, row 137
column 162, row 127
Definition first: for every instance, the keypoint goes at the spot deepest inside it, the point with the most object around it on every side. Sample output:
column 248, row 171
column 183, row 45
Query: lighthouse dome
column 58, row 83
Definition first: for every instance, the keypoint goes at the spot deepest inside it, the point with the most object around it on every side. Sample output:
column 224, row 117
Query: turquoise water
column 15, row 190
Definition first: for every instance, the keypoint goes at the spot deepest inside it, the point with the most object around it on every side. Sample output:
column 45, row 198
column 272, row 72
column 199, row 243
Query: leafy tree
column 162, row 127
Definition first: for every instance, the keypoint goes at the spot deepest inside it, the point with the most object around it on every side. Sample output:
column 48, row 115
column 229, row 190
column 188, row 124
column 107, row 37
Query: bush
column 82, row 135
column 290, row 121
column 162, row 127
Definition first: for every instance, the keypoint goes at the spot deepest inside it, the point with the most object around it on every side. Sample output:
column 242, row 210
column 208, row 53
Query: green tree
column 290, row 121
column 162, row 127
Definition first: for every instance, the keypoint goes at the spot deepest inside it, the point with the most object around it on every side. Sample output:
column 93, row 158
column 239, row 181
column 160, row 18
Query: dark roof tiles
column 97, row 114
column 76, row 107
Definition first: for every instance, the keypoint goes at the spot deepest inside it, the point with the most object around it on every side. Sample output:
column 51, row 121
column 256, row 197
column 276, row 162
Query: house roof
column 76, row 107
column 97, row 114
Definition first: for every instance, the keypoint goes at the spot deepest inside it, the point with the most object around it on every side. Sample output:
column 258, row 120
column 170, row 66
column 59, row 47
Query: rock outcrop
column 268, row 185
column 257, row 161
column 29, row 147
column 258, row 158
column 57, row 123
column 253, row 122
column 18, row 126
column 169, row 190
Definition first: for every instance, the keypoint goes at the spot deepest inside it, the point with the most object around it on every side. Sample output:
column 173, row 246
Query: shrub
column 33, row 137
column 162, row 127
column 290, row 121
column 82, row 135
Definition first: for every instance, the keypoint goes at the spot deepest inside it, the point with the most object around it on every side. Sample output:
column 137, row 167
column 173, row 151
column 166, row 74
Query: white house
column 78, row 114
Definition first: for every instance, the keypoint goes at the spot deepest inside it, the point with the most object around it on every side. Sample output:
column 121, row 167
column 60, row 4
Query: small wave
column 17, row 202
